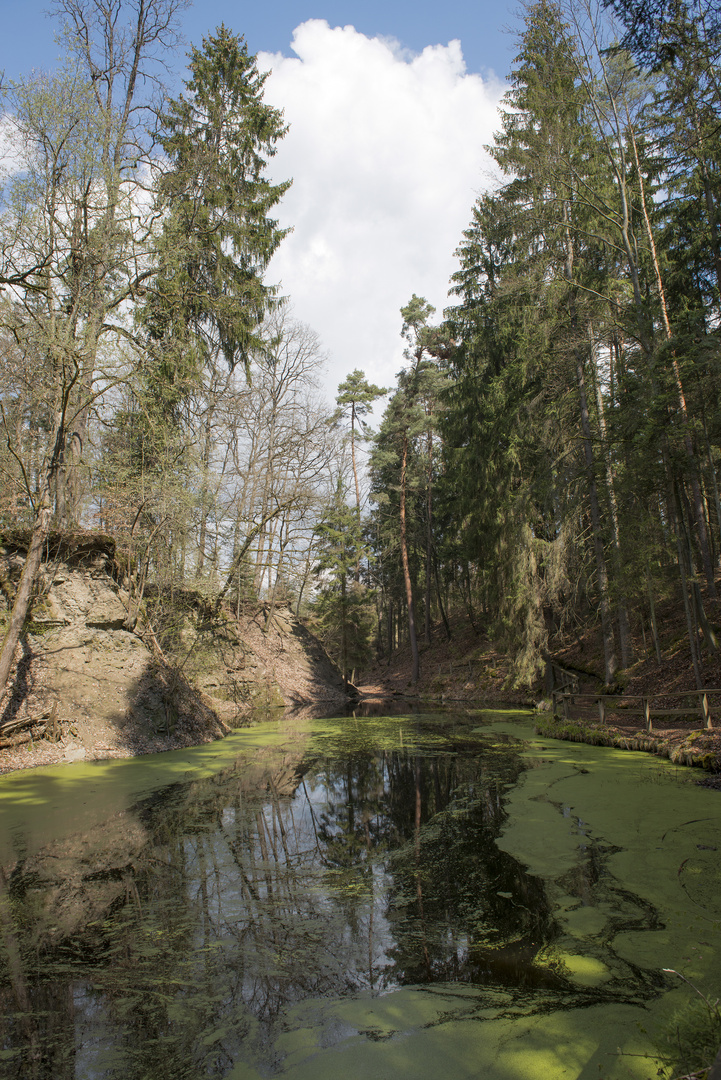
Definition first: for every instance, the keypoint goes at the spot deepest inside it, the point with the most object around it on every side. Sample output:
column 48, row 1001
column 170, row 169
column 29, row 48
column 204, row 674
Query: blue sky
column 390, row 106
column 27, row 37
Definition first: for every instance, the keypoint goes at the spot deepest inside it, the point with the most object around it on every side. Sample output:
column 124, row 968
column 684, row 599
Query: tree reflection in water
column 335, row 875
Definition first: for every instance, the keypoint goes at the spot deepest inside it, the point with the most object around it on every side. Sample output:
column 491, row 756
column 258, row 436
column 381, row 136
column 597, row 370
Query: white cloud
column 386, row 153
column 12, row 159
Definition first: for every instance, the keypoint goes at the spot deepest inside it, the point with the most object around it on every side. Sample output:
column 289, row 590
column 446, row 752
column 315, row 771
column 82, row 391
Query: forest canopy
column 549, row 454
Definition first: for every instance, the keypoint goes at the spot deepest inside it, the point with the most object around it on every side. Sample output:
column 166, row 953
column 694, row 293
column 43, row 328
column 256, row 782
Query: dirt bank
column 682, row 744
column 85, row 685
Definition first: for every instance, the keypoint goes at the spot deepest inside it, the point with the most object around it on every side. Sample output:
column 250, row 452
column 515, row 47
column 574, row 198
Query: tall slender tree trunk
column 692, row 642
column 698, row 504
column 352, row 455
column 357, row 484
column 609, row 648
column 344, row 629
column 624, row 629
column 204, row 493
column 712, row 472
column 25, row 588
column 440, row 600
column 468, row 595
column 429, row 541
column 38, row 539
column 406, row 568
column 708, row 632
column 652, row 615
column 267, row 488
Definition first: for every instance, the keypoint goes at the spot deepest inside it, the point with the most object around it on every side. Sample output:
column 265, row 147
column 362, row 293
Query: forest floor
column 468, row 670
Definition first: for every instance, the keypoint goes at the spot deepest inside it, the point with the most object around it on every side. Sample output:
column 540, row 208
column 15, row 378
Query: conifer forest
column 550, row 453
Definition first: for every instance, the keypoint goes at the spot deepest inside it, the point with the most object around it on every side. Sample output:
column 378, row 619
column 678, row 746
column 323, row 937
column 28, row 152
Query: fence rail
column 562, row 700
column 460, row 668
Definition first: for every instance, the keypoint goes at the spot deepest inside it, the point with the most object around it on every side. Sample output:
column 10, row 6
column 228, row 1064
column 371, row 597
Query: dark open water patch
column 367, row 897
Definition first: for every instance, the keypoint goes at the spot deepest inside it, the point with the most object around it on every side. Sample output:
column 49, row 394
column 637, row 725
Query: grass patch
column 572, row 730
column 692, row 1038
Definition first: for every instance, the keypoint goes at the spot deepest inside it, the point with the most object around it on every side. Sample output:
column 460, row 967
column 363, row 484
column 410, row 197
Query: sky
column 389, row 106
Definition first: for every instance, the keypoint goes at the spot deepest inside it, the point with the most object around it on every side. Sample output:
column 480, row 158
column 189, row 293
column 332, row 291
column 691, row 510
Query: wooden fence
column 646, row 705
column 460, row 668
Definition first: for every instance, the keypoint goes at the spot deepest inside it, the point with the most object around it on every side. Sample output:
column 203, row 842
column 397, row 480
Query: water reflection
column 210, row 908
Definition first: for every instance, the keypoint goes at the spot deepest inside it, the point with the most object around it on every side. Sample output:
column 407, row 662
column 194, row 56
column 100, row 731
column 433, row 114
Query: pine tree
column 357, row 395
column 402, row 457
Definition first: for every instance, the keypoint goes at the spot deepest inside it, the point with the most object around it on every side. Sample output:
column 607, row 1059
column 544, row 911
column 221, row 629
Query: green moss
column 689, row 1041
column 572, row 730
column 578, row 731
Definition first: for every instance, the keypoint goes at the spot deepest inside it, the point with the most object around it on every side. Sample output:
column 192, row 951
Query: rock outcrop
column 85, row 685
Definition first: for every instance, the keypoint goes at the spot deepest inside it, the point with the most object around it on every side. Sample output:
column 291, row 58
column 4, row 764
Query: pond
column 431, row 895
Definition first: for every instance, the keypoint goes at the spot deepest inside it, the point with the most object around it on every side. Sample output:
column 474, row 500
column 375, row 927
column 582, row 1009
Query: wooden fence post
column 706, row 713
column 646, row 713
column 602, row 710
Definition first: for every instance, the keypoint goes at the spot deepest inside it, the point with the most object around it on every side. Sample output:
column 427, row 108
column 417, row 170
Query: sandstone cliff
column 86, row 685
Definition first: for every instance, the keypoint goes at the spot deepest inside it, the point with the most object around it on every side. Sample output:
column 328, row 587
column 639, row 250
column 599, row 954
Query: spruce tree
column 215, row 200
column 342, row 609
column 530, row 285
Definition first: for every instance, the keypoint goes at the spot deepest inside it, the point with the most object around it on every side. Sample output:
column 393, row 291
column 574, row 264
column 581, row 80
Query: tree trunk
column 700, row 613
column 687, row 607
column 24, row 592
column 38, row 538
column 440, row 601
column 357, row 484
column 205, row 464
column 429, row 541
column 609, row 648
column 344, row 630
column 712, row 472
column 468, row 598
column 406, row 568
column 698, row 506
column 624, row 627
column 652, row 613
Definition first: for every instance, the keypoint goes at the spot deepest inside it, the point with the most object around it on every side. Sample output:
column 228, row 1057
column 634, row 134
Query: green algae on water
column 415, row 896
